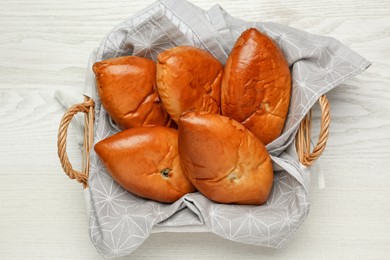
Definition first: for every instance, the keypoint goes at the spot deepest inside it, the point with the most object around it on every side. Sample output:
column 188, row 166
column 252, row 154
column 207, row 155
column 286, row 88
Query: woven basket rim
column 306, row 155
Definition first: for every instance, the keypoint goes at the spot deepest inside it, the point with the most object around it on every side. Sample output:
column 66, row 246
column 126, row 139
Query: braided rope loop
column 87, row 107
column 303, row 138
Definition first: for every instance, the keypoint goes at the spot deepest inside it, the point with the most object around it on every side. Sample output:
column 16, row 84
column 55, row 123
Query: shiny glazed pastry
column 223, row 159
column 189, row 78
column 145, row 161
column 128, row 92
column 256, row 85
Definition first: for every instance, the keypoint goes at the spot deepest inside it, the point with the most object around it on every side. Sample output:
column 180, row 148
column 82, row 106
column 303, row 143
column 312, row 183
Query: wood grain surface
column 44, row 47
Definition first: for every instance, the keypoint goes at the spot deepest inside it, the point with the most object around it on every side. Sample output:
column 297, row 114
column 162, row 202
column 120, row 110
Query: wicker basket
column 306, row 155
column 318, row 64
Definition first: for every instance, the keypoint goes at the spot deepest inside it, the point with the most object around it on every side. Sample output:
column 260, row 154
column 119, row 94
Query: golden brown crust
column 189, row 78
column 128, row 92
column 256, row 85
column 224, row 160
column 145, row 161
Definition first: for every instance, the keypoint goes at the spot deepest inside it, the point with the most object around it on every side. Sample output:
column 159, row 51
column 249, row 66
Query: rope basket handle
column 87, row 107
column 303, row 137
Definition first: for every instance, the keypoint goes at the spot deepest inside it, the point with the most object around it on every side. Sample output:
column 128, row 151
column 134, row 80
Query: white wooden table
column 44, row 47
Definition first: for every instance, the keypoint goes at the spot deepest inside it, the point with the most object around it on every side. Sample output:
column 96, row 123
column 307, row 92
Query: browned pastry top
column 145, row 161
column 223, row 159
column 256, row 85
column 128, row 92
column 189, row 78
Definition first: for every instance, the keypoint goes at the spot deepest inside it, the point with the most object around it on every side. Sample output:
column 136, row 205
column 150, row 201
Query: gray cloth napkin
column 120, row 221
